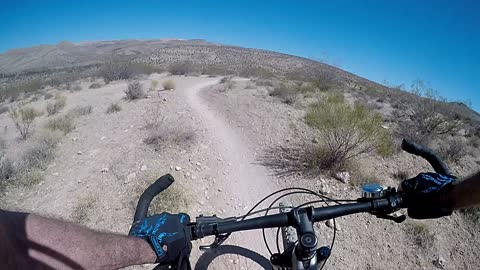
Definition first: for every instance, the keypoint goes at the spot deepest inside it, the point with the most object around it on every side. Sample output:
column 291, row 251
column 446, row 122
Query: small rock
column 314, row 140
column 55, row 174
column 103, row 138
column 231, row 261
column 143, row 168
column 440, row 262
column 236, row 261
column 219, row 190
column 331, row 224
column 79, row 153
column 178, row 168
column 201, row 202
column 164, row 99
column 344, row 177
column 74, row 138
column 105, row 170
column 198, row 164
column 131, row 176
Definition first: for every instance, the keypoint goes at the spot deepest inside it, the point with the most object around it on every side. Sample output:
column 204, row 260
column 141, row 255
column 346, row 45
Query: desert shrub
column 144, row 68
column 168, row 85
column 82, row 211
column 116, row 69
column 3, row 109
column 81, row 110
column 181, row 68
column 48, row 96
column 426, row 116
column 401, row 175
column 420, row 233
column 76, row 87
column 94, row 86
column 153, row 85
column 7, row 170
column 134, row 91
column 13, row 91
column 63, row 123
column 160, row 136
column 472, row 215
column 257, row 72
column 23, row 118
column 114, row 107
column 474, row 140
column 39, row 155
column 452, row 150
column 31, row 177
column 284, row 93
column 346, row 131
column 58, row 104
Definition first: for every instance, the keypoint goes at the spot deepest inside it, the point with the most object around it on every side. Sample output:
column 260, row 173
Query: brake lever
column 211, row 221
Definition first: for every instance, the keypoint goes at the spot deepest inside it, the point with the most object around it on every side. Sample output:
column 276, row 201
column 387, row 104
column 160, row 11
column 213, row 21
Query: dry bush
column 14, row 91
column 162, row 136
column 39, row 155
column 48, row 96
column 31, row 177
column 346, row 131
column 95, row 86
column 76, row 88
column 23, row 118
column 3, row 109
column 256, row 72
column 472, row 215
column 153, row 85
column 65, row 123
column 82, row 211
column 452, row 150
column 168, row 85
column 174, row 199
column 113, row 108
column 420, row 233
column 7, row 170
column 81, row 110
column 116, row 69
column 401, row 175
column 134, row 91
column 181, row 68
column 57, row 105
column 284, row 93
column 143, row 68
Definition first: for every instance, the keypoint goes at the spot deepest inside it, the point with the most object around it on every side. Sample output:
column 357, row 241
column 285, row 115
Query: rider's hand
column 427, row 195
column 166, row 233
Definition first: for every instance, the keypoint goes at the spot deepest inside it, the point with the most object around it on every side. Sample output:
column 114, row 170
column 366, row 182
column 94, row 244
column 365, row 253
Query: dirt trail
column 240, row 177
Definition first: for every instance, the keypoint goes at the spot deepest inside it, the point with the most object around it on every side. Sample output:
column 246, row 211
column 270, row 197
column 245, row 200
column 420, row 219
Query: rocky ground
column 219, row 143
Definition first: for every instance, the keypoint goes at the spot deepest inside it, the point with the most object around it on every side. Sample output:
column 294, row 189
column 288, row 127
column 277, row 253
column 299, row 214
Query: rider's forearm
column 466, row 193
column 39, row 241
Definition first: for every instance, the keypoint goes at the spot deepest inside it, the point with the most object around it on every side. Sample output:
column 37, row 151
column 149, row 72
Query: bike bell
column 372, row 191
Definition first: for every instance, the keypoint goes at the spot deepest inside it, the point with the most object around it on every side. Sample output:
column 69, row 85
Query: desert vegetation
column 168, row 85
column 113, row 108
column 57, row 105
column 23, row 118
column 134, row 91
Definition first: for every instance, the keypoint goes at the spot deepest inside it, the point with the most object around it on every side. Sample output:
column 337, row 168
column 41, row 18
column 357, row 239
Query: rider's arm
column 464, row 194
column 29, row 241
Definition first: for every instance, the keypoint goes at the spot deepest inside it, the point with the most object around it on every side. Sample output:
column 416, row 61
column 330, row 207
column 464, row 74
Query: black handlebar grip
column 153, row 190
column 413, row 148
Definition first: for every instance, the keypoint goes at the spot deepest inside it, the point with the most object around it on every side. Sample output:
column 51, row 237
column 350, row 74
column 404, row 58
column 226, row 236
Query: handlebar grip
column 147, row 196
column 413, row 148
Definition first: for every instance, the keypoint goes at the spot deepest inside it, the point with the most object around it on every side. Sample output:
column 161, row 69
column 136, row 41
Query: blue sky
column 395, row 41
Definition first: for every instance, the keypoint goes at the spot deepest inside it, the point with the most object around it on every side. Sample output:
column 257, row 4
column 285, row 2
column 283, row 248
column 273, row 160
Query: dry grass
column 65, row 123
column 57, row 105
column 153, row 85
column 81, row 110
column 284, row 93
column 452, row 150
column 83, row 210
column 420, row 233
column 168, row 85
column 401, row 175
column 113, row 108
column 162, row 136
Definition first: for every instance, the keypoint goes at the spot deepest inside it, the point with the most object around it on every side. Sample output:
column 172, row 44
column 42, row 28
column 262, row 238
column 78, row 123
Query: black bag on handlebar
column 426, row 195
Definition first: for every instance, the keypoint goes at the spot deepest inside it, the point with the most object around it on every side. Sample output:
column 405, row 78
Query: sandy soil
column 220, row 168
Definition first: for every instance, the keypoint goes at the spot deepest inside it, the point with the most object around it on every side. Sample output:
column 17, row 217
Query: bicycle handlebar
column 416, row 149
column 203, row 229
column 147, row 196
